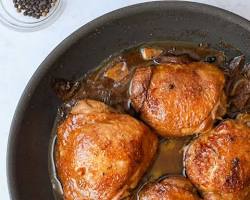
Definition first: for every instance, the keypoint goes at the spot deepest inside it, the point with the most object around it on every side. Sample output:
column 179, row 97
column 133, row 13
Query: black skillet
column 27, row 160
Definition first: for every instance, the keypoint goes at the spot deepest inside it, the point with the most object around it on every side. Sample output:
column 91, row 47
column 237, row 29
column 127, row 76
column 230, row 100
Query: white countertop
column 21, row 53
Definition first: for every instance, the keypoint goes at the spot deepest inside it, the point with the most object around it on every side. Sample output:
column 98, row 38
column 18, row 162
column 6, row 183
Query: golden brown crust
column 101, row 154
column 180, row 99
column 138, row 92
column 172, row 188
column 218, row 162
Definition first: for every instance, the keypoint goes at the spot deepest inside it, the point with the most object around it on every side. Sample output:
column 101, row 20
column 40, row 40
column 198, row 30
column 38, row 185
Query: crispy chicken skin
column 172, row 188
column 179, row 99
column 218, row 162
column 101, row 154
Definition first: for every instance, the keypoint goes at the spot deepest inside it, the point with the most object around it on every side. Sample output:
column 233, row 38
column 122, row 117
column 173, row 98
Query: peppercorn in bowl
column 30, row 15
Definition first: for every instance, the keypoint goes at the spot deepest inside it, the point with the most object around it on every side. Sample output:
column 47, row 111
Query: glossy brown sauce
column 112, row 87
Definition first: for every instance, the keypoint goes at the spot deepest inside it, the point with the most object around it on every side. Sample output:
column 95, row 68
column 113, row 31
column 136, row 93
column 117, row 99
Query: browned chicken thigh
column 218, row 162
column 178, row 99
column 101, row 154
column 172, row 188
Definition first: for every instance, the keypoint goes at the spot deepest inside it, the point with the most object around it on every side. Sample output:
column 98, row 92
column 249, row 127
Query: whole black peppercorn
column 34, row 8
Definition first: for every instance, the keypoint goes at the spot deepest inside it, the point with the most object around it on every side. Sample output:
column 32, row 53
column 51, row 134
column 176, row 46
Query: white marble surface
column 21, row 54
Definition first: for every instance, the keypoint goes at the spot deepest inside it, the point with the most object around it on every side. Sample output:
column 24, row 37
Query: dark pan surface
column 27, row 161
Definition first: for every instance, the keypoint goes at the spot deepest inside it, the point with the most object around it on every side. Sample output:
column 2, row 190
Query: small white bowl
column 12, row 19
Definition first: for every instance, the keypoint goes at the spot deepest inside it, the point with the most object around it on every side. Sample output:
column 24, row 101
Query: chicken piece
column 172, row 188
column 218, row 162
column 179, row 99
column 117, row 72
column 149, row 53
column 101, row 154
